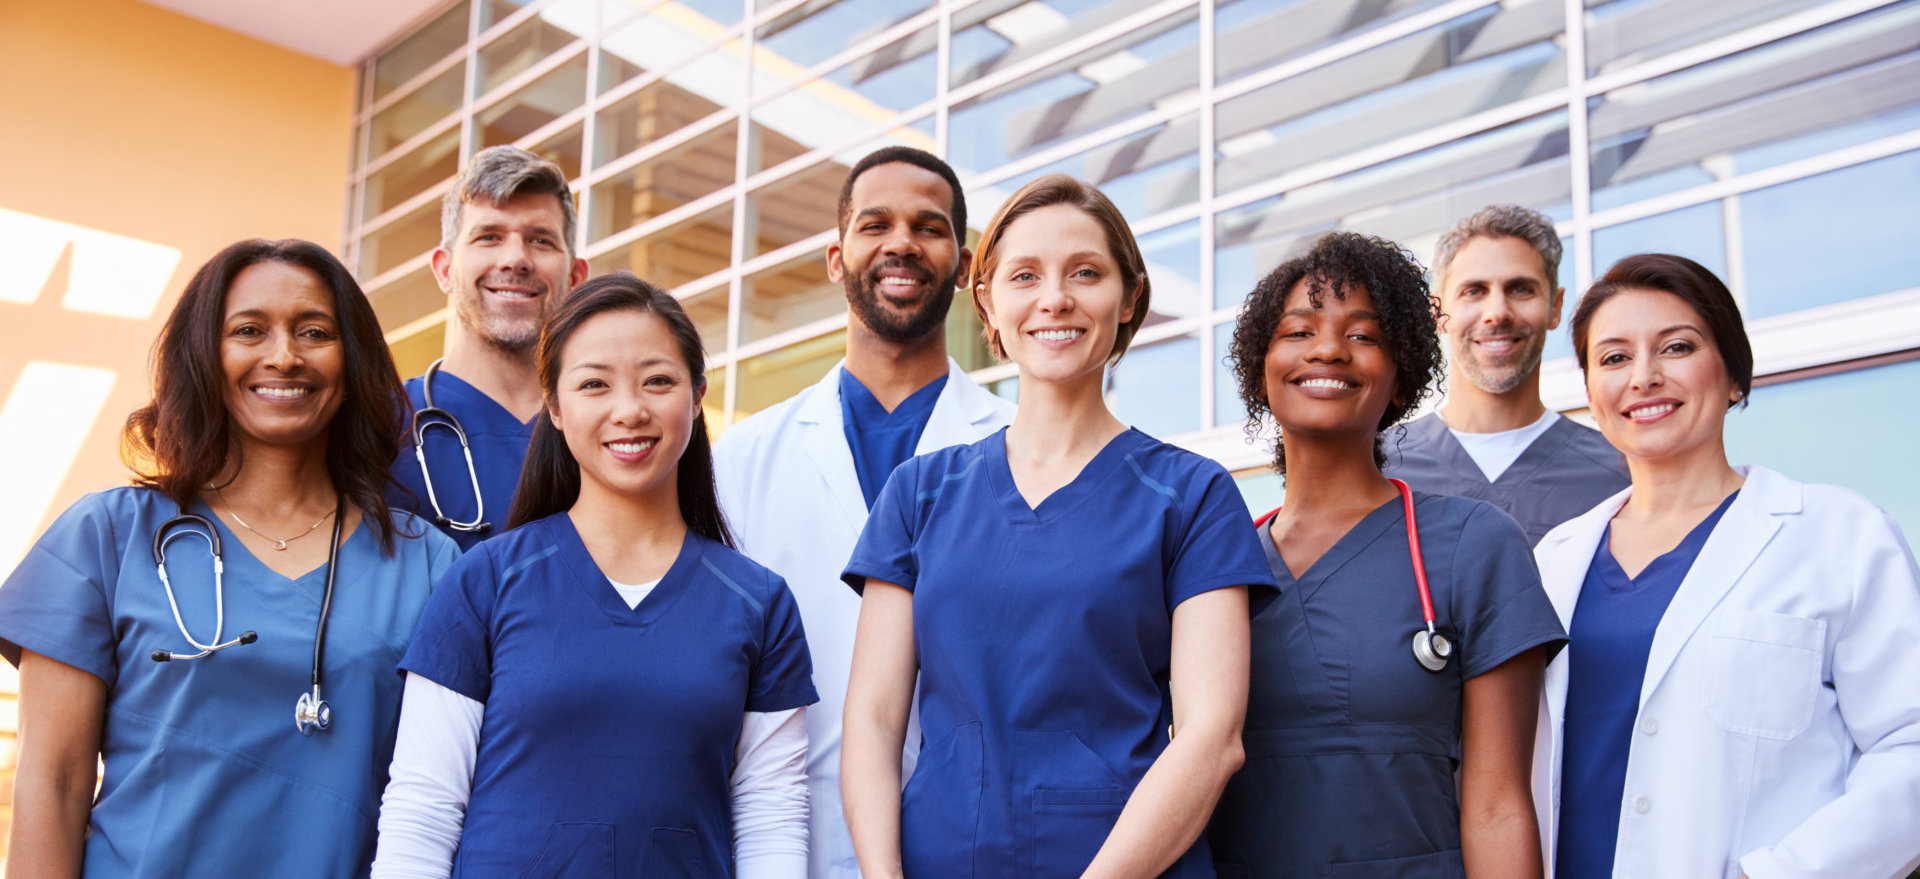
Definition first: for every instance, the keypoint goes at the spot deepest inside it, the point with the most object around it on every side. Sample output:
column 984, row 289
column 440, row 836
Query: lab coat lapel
column 826, row 444
column 1743, row 531
column 961, row 405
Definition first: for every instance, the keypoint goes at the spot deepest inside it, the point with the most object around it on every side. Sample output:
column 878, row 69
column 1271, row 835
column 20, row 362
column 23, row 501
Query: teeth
column 631, row 448
column 1651, row 411
column 513, row 294
column 281, row 393
column 1333, row 383
column 900, row 282
column 1058, row 335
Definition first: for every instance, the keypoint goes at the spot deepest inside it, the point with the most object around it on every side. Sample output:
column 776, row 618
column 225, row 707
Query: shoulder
column 1169, row 464
column 978, row 395
column 1829, row 506
column 104, row 516
column 410, row 529
column 1411, row 441
column 760, row 586
column 1591, row 444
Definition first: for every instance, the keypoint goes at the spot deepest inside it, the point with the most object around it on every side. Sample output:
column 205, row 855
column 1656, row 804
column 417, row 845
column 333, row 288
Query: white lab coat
column 790, row 492
column 1778, row 732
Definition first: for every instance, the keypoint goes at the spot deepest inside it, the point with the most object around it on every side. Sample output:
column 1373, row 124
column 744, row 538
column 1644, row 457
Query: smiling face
column 1328, row 371
column 281, row 352
column 899, row 257
column 1056, row 297
column 507, row 266
column 1656, row 384
column 625, row 401
column 1499, row 305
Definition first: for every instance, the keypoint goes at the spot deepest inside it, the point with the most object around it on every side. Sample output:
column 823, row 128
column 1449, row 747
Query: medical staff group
column 519, row 617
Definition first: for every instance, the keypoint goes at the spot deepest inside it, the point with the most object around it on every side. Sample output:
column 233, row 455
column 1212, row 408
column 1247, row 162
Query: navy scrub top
column 499, row 442
column 607, row 740
column 880, row 439
column 1351, row 743
column 1043, row 637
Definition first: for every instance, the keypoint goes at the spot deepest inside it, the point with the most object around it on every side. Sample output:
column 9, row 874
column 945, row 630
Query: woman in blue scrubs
column 276, row 410
column 1068, row 592
column 608, row 689
column 1353, row 743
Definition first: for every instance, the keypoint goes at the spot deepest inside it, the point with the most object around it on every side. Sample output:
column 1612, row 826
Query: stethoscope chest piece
column 312, row 712
column 1432, row 649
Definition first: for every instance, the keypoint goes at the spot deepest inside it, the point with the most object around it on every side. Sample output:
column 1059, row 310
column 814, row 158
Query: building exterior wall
column 139, row 142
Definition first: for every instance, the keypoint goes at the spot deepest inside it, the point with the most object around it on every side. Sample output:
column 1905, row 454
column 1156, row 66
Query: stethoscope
column 430, row 416
column 311, row 712
column 1430, row 648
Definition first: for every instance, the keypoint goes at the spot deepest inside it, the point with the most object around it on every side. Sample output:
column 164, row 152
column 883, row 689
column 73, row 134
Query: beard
column 511, row 333
column 1501, row 378
column 863, row 296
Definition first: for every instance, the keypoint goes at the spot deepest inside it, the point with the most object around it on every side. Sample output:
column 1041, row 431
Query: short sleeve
column 1499, row 604
column 453, row 642
column 56, row 602
column 783, row 675
column 1219, row 549
column 885, row 549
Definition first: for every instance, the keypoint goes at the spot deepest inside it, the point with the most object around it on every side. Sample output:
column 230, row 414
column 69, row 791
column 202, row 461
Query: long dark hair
column 1698, row 287
column 182, row 440
column 550, row 478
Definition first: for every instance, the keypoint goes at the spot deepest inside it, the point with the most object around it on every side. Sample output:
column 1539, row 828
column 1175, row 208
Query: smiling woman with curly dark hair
column 1352, row 744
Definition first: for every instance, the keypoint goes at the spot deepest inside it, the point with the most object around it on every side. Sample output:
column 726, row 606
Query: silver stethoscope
column 1430, row 648
column 433, row 416
column 311, row 712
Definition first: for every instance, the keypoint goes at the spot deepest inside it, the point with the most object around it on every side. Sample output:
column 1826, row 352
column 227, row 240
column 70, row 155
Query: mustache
column 902, row 266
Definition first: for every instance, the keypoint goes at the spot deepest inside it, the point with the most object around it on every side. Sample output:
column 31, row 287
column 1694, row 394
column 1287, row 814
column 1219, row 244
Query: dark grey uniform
column 1565, row 472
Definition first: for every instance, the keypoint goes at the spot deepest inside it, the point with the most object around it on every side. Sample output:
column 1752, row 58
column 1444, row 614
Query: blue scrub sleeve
column 885, row 549
column 55, row 603
column 453, row 643
column 783, row 676
column 1500, row 606
column 1218, row 550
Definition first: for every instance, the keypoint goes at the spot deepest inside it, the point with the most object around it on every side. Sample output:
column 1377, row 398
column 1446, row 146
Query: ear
column 966, row 268
column 443, row 269
column 578, row 275
column 553, row 415
column 1559, row 299
column 1133, row 303
column 836, row 270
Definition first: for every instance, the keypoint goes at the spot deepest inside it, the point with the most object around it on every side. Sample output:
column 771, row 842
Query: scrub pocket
column 1765, row 673
column 940, row 806
column 1439, row 865
column 1075, row 798
column 573, row 851
column 674, row 853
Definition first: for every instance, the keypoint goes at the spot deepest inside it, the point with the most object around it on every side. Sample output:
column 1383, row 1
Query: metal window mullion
column 1835, row 160
column 1380, row 36
column 942, row 80
column 1068, row 49
column 1733, row 44
column 1208, row 108
column 745, row 155
column 1579, row 152
column 818, row 71
column 583, row 199
column 376, row 106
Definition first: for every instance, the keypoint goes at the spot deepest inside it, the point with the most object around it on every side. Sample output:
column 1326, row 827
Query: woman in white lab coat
column 1741, row 692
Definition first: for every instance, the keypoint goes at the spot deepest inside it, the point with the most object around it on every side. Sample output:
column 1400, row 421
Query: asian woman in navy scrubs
column 608, row 689
column 1066, row 590
column 1352, row 743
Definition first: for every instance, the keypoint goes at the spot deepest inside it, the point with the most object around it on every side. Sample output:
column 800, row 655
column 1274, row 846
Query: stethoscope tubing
column 431, row 416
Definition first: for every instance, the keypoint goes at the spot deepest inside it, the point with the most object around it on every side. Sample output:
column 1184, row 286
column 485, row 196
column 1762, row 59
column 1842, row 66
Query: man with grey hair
column 505, row 259
column 1495, row 440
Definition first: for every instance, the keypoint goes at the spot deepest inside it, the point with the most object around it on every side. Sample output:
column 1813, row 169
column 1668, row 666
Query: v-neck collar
column 1362, row 535
column 470, row 402
column 230, row 541
column 1084, row 483
column 1677, row 560
column 588, row 577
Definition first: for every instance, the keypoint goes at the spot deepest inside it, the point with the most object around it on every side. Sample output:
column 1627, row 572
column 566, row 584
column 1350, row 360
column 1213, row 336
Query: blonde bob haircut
column 1051, row 190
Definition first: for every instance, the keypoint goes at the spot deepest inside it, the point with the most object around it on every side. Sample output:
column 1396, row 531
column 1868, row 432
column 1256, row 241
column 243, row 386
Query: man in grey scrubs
column 1495, row 440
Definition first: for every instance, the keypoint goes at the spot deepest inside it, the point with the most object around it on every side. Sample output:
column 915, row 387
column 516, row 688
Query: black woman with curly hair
column 1353, row 740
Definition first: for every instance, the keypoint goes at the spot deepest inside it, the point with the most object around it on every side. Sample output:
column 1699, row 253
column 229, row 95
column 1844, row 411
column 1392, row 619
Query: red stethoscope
column 1430, row 647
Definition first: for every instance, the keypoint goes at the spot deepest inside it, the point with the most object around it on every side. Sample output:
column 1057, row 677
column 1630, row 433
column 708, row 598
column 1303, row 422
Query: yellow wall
column 138, row 143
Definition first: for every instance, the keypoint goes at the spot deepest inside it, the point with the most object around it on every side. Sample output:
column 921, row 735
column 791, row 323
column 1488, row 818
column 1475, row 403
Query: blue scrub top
column 1565, row 472
column 1044, row 636
column 879, row 439
column 205, row 774
column 1613, row 626
column 607, row 742
column 1351, row 743
column 499, row 442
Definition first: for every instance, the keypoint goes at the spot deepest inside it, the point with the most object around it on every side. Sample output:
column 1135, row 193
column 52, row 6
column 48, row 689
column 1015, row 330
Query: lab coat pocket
column 1075, row 799
column 940, row 806
column 674, row 853
column 1438, row 865
column 573, row 851
column 1765, row 673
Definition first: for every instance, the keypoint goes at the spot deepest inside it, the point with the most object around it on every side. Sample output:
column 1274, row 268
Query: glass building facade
column 1775, row 141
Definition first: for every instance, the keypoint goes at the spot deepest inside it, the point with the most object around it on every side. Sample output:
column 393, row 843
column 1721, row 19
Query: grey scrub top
column 1567, row 471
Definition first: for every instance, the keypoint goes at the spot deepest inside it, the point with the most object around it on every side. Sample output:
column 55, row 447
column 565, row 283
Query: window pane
column 1151, row 172
column 713, row 404
column 661, row 108
column 665, row 37
column 862, row 96
column 1842, row 235
column 1227, row 408
column 1841, row 85
column 795, row 207
column 517, row 50
column 670, row 258
column 787, row 296
column 416, row 112
column 1621, row 33
column 1696, row 233
column 1478, row 62
column 708, row 308
column 1256, row 34
column 401, row 240
column 813, row 32
column 420, row 51
column 1094, row 89
column 694, row 169
column 551, row 96
column 407, row 299
column 770, row 378
column 411, row 174
column 1173, row 268
column 1157, row 387
column 563, row 149
column 772, row 146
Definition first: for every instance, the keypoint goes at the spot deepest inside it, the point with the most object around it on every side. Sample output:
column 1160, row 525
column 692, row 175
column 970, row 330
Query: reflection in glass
column 554, row 94
column 411, row 174
column 1621, row 33
column 562, row 149
column 1145, row 174
column 407, row 298
column 1251, row 35
column 708, row 308
column 770, row 378
column 671, row 258
column 1227, row 408
column 795, row 207
column 1173, row 268
column 713, row 404
column 773, row 146
column 691, row 170
column 403, row 239
column 517, row 50
column 416, row 53
column 1843, row 235
column 658, row 109
column 863, row 95
column 1696, row 233
column 787, row 296
column 416, row 112
column 1156, row 387
column 663, row 38
column 813, row 32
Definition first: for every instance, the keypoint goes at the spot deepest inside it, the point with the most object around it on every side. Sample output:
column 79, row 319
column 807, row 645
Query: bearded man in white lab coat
column 796, row 479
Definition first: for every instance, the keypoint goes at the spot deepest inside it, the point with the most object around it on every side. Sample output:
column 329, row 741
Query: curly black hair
column 1338, row 262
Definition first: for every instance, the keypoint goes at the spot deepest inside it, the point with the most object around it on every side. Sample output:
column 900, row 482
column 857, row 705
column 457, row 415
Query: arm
column 770, row 795
column 879, row 694
column 430, row 783
column 1499, row 835
column 1170, row 808
column 63, row 713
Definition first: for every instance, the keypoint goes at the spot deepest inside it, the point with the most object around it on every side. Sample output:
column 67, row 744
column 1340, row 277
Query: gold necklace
column 279, row 545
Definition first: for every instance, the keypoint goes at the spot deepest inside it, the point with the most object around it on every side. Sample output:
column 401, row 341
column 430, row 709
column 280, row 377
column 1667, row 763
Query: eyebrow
column 1617, row 340
column 309, row 314
column 1510, row 280
column 595, row 364
column 1315, row 312
column 540, row 228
